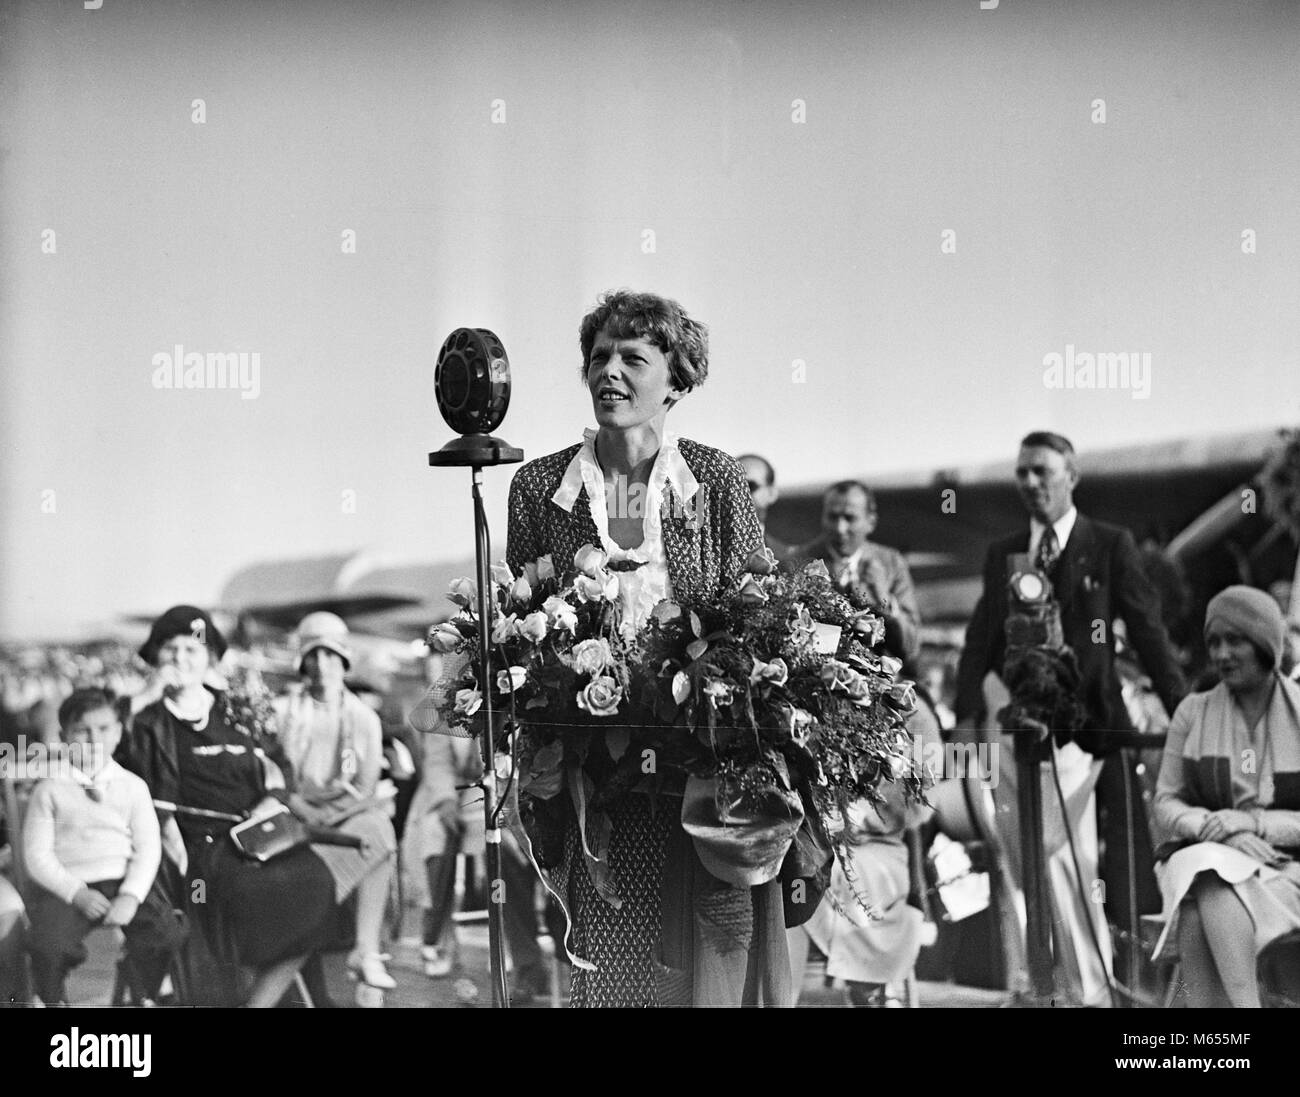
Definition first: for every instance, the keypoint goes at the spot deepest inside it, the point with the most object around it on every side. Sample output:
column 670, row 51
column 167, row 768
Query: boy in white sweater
column 91, row 846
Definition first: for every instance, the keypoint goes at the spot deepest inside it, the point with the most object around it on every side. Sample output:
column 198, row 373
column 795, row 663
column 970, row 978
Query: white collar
column 1063, row 526
column 848, row 565
column 200, row 722
column 100, row 780
column 585, row 471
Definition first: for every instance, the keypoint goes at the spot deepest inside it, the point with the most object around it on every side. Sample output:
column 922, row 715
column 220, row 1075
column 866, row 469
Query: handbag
column 265, row 837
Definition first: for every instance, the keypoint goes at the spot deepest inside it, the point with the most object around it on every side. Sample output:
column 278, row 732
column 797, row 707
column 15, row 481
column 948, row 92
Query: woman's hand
column 1252, row 845
column 164, row 680
column 267, row 805
column 1222, row 825
column 307, row 811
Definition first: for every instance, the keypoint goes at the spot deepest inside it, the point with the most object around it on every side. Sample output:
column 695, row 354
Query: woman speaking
column 676, row 520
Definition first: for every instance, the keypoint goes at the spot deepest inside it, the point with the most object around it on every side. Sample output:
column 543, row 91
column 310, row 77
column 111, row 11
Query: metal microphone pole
column 473, row 389
column 496, row 911
column 1029, row 746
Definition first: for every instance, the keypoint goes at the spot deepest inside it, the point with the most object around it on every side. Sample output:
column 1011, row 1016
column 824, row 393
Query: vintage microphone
column 472, row 381
column 1033, row 622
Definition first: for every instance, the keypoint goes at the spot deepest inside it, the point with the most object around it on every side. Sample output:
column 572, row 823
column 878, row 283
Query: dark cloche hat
column 183, row 621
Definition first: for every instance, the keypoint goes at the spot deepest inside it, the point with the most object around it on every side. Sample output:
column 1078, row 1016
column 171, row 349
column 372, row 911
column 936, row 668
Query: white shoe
column 437, row 963
column 370, row 970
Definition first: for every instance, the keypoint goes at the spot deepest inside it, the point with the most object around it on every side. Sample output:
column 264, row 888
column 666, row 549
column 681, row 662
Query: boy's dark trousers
column 55, row 940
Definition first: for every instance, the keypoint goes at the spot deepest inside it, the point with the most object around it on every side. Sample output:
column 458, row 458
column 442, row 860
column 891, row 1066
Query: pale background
column 816, row 241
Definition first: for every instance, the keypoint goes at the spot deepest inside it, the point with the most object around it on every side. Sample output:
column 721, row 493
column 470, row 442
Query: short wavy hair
column 82, row 701
column 658, row 320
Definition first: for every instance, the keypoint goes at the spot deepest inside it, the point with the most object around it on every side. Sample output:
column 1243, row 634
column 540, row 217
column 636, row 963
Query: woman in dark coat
column 677, row 935
column 194, row 748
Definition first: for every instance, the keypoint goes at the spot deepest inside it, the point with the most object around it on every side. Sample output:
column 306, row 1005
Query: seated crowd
column 127, row 827
column 132, row 833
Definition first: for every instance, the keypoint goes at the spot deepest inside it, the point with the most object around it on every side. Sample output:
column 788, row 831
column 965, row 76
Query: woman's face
column 188, row 655
column 323, row 668
column 1234, row 657
column 629, row 382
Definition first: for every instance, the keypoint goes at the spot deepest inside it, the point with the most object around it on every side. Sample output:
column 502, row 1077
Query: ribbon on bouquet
column 511, row 817
column 601, row 831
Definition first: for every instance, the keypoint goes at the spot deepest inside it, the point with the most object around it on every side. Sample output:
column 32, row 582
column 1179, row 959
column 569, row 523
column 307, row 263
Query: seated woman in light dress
column 334, row 742
column 1228, row 805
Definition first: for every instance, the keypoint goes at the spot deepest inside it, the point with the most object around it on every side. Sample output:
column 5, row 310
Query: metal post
column 1038, row 909
column 496, row 910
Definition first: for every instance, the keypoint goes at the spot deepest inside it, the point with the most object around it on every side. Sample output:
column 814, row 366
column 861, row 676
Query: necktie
column 1048, row 551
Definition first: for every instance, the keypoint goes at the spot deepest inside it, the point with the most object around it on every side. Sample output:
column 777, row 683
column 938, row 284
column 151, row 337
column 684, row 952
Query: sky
column 889, row 216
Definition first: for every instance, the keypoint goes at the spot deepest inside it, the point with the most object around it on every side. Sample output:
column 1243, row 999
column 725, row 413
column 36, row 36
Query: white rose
column 533, row 627
column 504, row 629
column 468, row 701
column 590, row 560
column 510, row 680
column 592, row 656
column 560, row 614
column 444, row 638
column 463, row 592
column 597, row 588
column 600, row 697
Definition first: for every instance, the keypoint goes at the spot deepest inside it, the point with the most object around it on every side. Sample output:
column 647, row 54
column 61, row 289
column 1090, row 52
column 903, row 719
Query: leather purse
column 265, row 837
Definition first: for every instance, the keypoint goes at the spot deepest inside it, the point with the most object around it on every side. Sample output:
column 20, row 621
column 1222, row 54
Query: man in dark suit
column 761, row 477
column 1097, row 576
column 868, row 572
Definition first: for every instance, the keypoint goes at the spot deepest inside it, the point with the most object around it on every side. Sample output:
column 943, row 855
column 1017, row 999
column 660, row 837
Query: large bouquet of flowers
column 761, row 704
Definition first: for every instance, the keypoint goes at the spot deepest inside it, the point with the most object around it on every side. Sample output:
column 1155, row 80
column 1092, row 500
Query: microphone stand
column 479, row 451
column 1031, row 746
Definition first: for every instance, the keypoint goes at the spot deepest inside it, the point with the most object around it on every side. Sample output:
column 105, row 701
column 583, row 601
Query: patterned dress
column 706, row 540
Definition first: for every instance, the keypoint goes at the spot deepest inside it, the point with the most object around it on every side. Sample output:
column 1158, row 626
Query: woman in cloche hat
column 334, row 742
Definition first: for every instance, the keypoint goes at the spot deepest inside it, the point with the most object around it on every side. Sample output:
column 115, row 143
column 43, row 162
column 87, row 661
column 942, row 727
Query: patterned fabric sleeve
column 522, row 541
column 737, row 522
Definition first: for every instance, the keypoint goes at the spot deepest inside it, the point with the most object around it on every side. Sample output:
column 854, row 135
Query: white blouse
column 645, row 586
